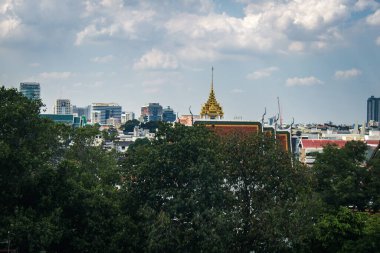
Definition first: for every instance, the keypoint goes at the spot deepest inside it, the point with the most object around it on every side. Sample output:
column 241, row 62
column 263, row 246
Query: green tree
column 341, row 177
column 344, row 230
column 273, row 207
column 130, row 125
column 30, row 148
column 174, row 191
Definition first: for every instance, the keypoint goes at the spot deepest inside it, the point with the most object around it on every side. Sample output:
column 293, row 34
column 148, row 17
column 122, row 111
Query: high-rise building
column 107, row 111
column 126, row 116
column 82, row 111
column 373, row 109
column 151, row 112
column 63, row 107
column 30, row 90
column 168, row 115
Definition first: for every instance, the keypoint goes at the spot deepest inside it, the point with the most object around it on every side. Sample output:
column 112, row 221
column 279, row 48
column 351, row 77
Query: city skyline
column 320, row 57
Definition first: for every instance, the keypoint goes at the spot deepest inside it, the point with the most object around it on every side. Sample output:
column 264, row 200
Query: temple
column 211, row 109
column 211, row 117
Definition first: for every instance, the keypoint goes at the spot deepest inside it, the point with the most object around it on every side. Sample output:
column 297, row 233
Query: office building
column 168, row 115
column 82, row 111
column 30, row 90
column 62, row 107
column 126, row 116
column 151, row 112
column 105, row 111
column 373, row 109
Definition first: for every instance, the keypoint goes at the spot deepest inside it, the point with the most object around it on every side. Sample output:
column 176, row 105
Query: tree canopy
column 187, row 190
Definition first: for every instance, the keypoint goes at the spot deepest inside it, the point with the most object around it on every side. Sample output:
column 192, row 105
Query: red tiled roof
column 372, row 142
column 321, row 143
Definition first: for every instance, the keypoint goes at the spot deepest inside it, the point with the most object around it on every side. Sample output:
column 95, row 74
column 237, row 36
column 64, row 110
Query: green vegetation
column 187, row 190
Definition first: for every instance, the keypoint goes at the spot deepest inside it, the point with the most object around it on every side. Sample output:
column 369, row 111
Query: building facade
column 104, row 112
column 31, row 90
column 82, row 111
column 168, row 115
column 151, row 112
column 63, row 107
column 126, row 116
column 373, row 109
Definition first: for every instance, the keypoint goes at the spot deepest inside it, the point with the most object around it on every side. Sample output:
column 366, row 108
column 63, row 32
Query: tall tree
column 174, row 187
column 342, row 176
column 273, row 206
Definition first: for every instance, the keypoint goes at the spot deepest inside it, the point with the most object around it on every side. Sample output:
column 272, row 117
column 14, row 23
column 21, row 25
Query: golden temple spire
column 211, row 109
column 212, row 78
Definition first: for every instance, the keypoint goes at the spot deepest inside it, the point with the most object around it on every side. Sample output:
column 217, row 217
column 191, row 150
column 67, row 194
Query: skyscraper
column 168, row 115
column 373, row 109
column 151, row 112
column 30, row 90
column 82, row 111
column 63, row 106
column 106, row 111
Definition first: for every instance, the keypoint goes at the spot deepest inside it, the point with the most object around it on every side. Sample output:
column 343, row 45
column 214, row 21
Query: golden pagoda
column 211, row 109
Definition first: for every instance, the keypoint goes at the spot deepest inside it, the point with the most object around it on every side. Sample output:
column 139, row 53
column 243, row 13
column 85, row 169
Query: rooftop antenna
column 275, row 126
column 262, row 119
column 192, row 117
column 279, row 110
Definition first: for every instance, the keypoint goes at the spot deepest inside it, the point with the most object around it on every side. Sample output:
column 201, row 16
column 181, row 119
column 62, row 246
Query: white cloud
column 378, row 41
column 366, row 4
column 265, row 26
column 156, row 59
column 374, row 19
column 303, row 81
column 344, row 74
column 8, row 26
column 103, row 59
column 296, row 46
column 55, row 75
column 111, row 19
column 261, row 73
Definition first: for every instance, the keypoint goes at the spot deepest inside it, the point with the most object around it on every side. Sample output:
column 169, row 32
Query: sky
column 321, row 58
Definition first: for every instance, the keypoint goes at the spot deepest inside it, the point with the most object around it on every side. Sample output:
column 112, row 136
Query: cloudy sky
column 320, row 57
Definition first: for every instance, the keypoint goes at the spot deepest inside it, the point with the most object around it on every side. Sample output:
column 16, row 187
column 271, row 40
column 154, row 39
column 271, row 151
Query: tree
column 344, row 230
column 130, row 125
column 174, row 192
column 341, row 176
column 273, row 206
column 31, row 147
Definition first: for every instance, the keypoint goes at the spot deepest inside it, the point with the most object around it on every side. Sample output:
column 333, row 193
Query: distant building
column 82, row 111
column 96, row 117
column 168, row 115
column 126, row 116
column 373, row 109
column 151, row 112
column 67, row 119
column 30, row 90
column 106, row 111
column 62, row 106
column 188, row 119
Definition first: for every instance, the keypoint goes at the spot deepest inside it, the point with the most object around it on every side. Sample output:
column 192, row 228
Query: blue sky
column 321, row 57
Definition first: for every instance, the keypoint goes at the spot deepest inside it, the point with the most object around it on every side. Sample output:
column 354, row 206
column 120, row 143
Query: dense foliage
column 187, row 190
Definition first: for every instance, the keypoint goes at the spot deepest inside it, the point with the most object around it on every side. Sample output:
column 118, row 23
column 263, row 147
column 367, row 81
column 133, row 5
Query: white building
column 63, row 107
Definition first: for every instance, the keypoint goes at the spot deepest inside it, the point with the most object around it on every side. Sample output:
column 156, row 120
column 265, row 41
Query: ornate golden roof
column 211, row 109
